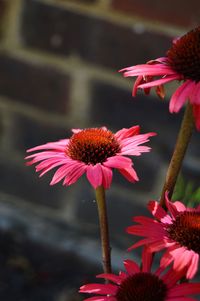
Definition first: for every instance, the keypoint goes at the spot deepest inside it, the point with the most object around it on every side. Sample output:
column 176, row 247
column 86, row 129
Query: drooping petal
column 195, row 94
column 107, row 176
column 94, row 175
column 159, row 82
column 130, row 174
column 180, row 96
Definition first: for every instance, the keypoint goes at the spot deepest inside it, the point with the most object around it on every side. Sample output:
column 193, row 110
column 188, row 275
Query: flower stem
column 104, row 232
column 182, row 142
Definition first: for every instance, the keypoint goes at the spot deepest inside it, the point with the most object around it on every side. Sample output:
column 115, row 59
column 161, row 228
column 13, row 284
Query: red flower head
column 182, row 62
column 142, row 284
column 178, row 231
column 94, row 151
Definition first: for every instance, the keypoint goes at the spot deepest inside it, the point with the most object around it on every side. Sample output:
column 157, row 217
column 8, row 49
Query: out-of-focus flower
column 141, row 284
column 94, row 151
column 182, row 62
column 178, row 231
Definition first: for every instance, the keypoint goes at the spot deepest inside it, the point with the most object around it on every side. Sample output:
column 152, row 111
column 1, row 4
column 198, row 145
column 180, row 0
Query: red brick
column 178, row 12
column 39, row 86
column 62, row 32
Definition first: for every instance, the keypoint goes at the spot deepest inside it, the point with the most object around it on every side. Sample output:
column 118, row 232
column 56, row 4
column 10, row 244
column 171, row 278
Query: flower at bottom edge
column 141, row 284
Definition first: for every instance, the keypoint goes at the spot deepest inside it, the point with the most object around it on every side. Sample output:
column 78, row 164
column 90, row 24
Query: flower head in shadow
column 141, row 284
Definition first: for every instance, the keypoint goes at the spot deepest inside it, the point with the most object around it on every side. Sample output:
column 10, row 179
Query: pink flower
column 178, row 231
column 141, row 284
column 182, row 63
column 94, row 151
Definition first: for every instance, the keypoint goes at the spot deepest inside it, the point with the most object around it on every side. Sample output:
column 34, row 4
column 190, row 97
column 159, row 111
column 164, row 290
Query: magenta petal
column 185, row 289
column 118, row 162
column 180, row 96
column 107, row 176
column 131, row 267
column 158, row 82
column 101, row 298
column 196, row 112
column 130, row 174
column 127, row 133
column 111, row 277
column 75, row 174
column 146, row 259
column 63, row 171
column 195, row 94
column 94, row 175
column 147, row 69
column 139, row 80
column 171, row 207
column 97, row 288
column 156, row 210
column 193, row 267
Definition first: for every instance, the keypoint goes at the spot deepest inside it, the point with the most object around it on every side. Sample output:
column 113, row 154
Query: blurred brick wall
column 58, row 70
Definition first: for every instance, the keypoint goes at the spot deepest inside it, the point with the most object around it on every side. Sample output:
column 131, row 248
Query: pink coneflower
column 182, row 63
column 94, row 151
column 178, row 231
column 142, row 285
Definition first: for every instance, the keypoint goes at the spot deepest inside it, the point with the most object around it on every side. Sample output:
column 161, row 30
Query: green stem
column 104, row 232
column 182, row 142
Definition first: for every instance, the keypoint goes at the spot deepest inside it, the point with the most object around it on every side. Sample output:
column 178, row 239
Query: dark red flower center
column 93, row 146
column 184, row 55
column 142, row 287
column 186, row 230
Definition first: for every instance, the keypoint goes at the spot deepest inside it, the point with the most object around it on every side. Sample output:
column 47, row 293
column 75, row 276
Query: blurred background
column 59, row 62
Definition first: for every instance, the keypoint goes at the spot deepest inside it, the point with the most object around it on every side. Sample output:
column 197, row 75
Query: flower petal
column 130, row 174
column 97, row 288
column 180, row 96
column 196, row 112
column 131, row 267
column 94, row 175
column 118, row 162
column 127, row 133
column 107, row 176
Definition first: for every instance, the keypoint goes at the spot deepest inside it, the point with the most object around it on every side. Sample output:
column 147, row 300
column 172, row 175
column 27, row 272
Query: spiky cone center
column 184, row 55
column 186, row 230
column 92, row 146
column 142, row 287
